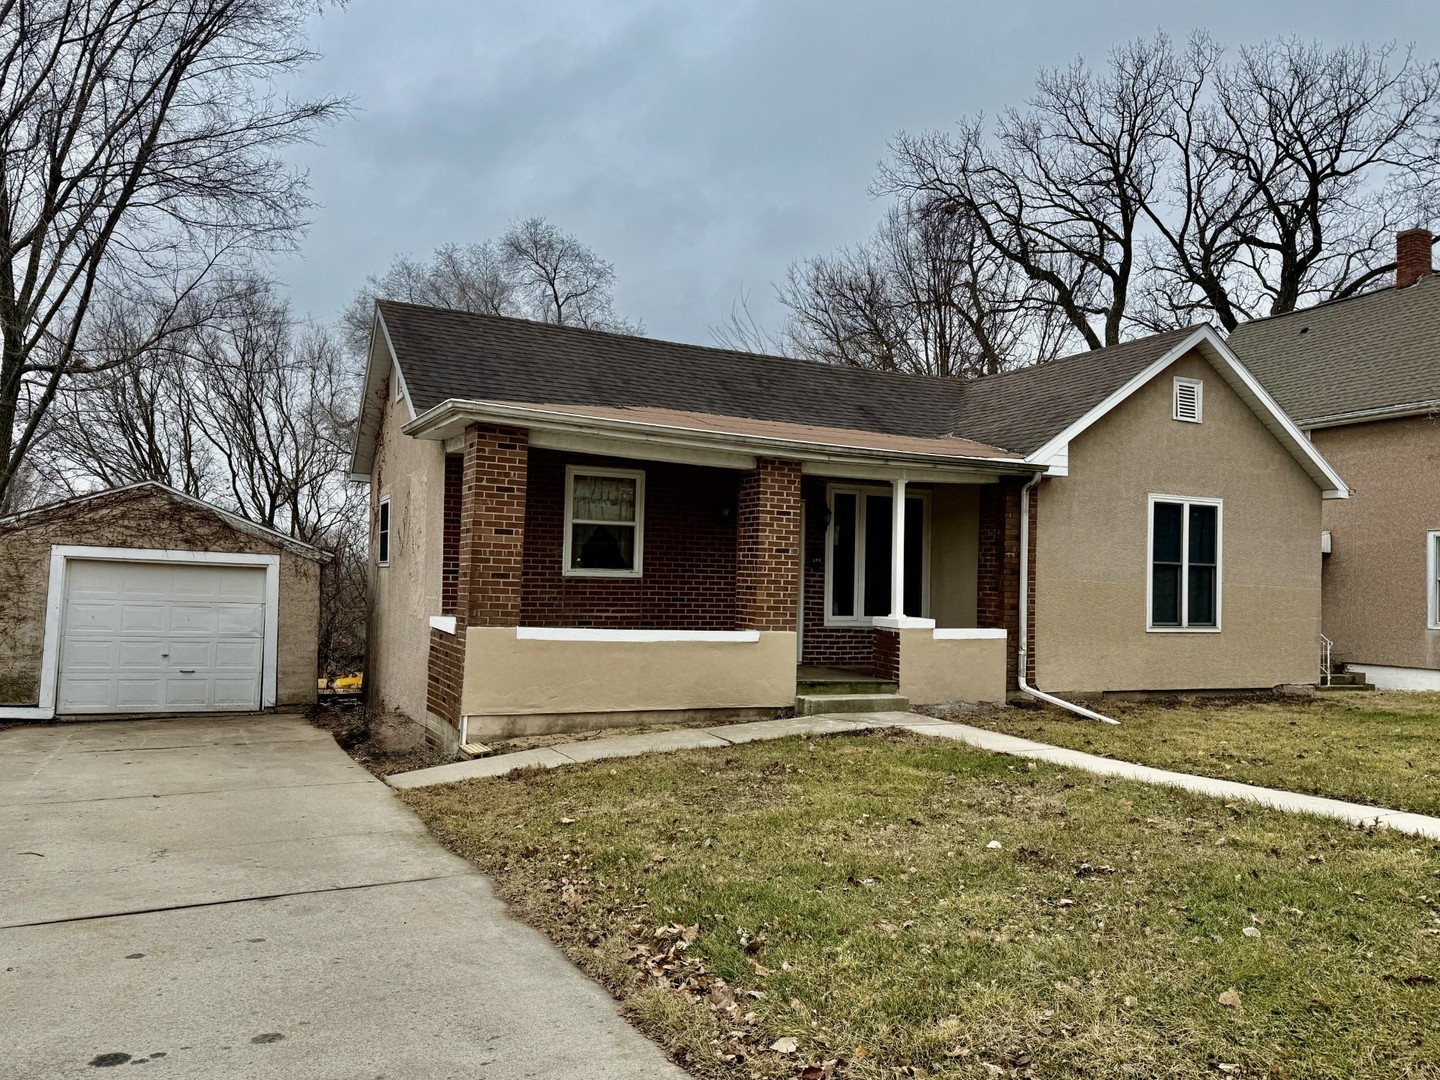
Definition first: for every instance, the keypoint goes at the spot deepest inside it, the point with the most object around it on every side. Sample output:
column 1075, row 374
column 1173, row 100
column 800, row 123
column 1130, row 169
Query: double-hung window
column 858, row 567
column 604, row 522
column 1185, row 549
column 1432, row 577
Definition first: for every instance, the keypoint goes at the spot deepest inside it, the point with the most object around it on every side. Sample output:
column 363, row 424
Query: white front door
column 161, row 637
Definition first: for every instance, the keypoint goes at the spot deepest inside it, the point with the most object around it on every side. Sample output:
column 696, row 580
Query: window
column 604, row 522
column 1432, row 574
column 858, row 565
column 1185, row 545
column 382, row 532
column 1189, row 400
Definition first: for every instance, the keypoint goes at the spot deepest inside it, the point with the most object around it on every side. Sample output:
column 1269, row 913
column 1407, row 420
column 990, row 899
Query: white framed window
column 604, row 522
column 1184, row 564
column 1189, row 400
column 1432, row 577
column 382, row 532
column 399, row 386
column 857, row 554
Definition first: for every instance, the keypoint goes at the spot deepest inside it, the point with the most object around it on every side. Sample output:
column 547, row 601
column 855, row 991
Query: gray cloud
column 698, row 146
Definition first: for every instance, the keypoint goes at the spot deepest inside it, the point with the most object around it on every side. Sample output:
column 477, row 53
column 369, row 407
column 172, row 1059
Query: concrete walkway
column 221, row 897
column 980, row 738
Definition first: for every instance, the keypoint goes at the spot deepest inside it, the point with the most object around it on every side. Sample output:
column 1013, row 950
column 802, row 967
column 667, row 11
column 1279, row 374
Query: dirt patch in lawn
column 885, row 905
column 1378, row 749
column 383, row 742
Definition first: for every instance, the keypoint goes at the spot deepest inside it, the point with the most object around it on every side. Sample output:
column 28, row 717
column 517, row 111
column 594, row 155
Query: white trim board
column 1054, row 454
column 60, row 557
column 590, row 633
column 961, row 633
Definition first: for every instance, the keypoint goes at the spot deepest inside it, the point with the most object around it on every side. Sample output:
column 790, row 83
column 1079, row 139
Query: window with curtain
column 1184, row 564
column 604, row 512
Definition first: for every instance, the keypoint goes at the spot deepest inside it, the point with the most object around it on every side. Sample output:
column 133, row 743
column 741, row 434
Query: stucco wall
column 1375, row 587
column 142, row 519
column 938, row 669
column 508, row 675
column 405, row 593
column 1090, row 560
column 954, row 553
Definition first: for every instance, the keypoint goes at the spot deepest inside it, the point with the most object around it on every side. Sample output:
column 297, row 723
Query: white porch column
column 897, row 549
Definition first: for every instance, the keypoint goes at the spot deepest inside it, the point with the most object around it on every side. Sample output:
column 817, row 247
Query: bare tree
column 138, row 142
column 1172, row 187
column 927, row 294
column 534, row 271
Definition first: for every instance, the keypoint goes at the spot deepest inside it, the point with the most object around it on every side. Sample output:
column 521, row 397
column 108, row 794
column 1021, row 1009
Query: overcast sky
column 700, row 147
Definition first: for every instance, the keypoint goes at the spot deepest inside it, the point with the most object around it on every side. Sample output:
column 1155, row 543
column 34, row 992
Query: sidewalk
column 700, row 738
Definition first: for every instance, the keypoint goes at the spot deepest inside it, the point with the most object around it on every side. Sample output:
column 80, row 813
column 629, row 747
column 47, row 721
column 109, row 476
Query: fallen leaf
column 567, row 821
column 787, row 1045
column 1130, row 1001
column 995, row 845
column 1251, row 931
column 1230, row 998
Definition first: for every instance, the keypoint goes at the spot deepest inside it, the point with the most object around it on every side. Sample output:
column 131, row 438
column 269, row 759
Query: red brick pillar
column 492, row 524
column 998, row 592
column 492, row 534
column 768, row 548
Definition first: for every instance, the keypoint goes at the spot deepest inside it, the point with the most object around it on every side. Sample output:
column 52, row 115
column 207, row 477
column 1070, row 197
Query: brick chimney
column 1412, row 256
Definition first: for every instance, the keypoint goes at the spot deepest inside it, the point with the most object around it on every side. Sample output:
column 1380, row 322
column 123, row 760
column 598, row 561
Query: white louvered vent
column 1189, row 400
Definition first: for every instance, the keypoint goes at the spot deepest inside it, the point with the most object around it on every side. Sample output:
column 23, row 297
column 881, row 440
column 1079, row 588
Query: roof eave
column 451, row 416
column 1362, row 416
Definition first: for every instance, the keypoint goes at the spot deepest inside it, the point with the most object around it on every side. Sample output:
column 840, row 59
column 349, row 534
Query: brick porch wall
column 998, row 596
column 689, row 551
column 768, row 543
column 450, row 535
column 491, row 537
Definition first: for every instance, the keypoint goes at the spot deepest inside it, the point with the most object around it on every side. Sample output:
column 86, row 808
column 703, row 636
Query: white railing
column 1326, row 645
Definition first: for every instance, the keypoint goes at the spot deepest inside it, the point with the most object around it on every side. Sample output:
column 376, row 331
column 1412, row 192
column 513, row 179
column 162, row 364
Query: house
column 144, row 600
column 574, row 528
column 1361, row 376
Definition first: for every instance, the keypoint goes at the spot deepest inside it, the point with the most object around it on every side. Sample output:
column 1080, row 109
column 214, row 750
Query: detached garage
column 146, row 600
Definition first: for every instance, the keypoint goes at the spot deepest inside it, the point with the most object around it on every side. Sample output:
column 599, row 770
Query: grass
column 898, row 906
column 1380, row 749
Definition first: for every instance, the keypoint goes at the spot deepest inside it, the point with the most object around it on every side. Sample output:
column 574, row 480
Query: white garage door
column 161, row 637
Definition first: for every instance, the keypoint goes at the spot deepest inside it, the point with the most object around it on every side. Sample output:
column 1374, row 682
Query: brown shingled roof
column 1369, row 353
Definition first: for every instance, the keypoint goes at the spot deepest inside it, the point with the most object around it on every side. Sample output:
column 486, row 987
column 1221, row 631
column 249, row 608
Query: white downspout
column 1025, row 613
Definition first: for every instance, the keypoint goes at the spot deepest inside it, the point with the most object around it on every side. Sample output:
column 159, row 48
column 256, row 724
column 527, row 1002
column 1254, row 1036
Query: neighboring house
column 572, row 528
column 1362, row 378
column 145, row 600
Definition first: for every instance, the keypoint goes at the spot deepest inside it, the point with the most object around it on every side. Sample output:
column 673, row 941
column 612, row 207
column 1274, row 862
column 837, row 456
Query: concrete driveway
column 221, row 897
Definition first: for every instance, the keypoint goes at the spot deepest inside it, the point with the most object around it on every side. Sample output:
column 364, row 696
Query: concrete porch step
column 857, row 685
column 821, row 704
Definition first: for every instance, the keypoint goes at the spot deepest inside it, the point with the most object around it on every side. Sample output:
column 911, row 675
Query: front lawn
column 1380, row 749
column 886, row 905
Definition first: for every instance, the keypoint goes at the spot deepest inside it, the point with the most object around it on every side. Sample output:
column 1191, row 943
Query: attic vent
column 1189, row 400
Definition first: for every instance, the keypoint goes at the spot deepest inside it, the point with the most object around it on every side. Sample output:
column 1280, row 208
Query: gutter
column 1361, row 416
column 1025, row 687
column 454, row 411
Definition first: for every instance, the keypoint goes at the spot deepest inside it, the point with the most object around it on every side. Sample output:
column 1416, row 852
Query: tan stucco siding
column 505, row 674
column 406, row 592
column 935, row 670
column 1091, row 569
column 954, row 553
column 141, row 519
column 1375, row 583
